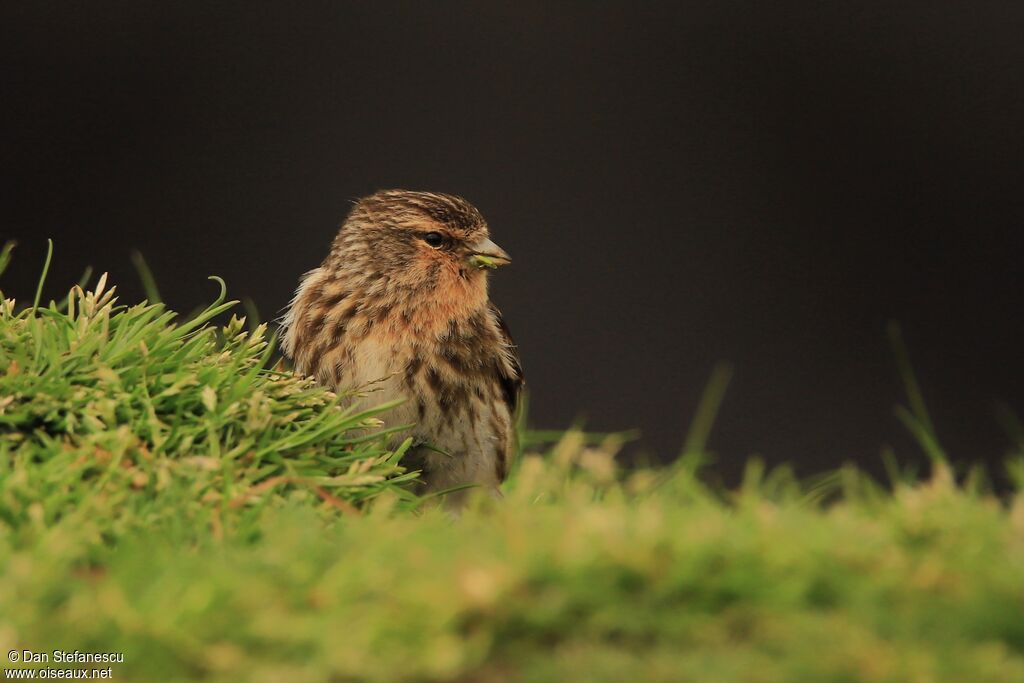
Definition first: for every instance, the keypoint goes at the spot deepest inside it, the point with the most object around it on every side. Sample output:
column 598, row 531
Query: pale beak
column 487, row 254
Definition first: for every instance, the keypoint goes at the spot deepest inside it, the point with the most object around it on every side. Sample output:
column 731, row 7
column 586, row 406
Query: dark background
column 679, row 183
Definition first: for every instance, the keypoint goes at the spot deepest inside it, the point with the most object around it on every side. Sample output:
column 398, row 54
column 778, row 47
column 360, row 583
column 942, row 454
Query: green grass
column 116, row 415
column 166, row 495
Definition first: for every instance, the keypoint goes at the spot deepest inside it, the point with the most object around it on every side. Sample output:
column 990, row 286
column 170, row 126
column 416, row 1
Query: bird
column 400, row 305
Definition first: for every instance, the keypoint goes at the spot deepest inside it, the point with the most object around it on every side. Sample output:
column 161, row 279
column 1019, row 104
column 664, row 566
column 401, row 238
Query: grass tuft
column 123, row 419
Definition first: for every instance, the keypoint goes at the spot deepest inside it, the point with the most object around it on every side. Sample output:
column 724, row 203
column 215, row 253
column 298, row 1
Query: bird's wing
column 510, row 372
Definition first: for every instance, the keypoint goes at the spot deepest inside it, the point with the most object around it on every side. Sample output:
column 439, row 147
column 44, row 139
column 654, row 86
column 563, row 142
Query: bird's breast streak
column 380, row 367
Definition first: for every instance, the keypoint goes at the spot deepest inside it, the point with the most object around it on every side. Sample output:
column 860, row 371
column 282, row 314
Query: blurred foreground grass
column 164, row 495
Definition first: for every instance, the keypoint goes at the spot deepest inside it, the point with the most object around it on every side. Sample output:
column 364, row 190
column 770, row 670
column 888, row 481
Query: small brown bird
column 401, row 304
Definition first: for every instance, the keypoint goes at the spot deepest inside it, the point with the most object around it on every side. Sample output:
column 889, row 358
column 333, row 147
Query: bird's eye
column 434, row 239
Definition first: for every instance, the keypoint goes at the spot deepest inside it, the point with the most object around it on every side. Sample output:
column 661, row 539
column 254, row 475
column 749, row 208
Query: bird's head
column 417, row 241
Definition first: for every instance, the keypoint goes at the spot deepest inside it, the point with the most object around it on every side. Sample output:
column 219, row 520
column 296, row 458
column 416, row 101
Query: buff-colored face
column 418, row 240
column 439, row 243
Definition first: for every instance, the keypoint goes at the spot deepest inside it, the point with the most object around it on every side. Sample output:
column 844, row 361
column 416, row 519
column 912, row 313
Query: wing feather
column 510, row 371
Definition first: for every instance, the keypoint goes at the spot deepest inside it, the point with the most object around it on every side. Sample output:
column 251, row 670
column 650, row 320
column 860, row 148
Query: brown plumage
column 400, row 304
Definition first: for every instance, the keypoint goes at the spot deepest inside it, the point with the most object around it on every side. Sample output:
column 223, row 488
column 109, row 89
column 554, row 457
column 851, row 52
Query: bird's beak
column 487, row 254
